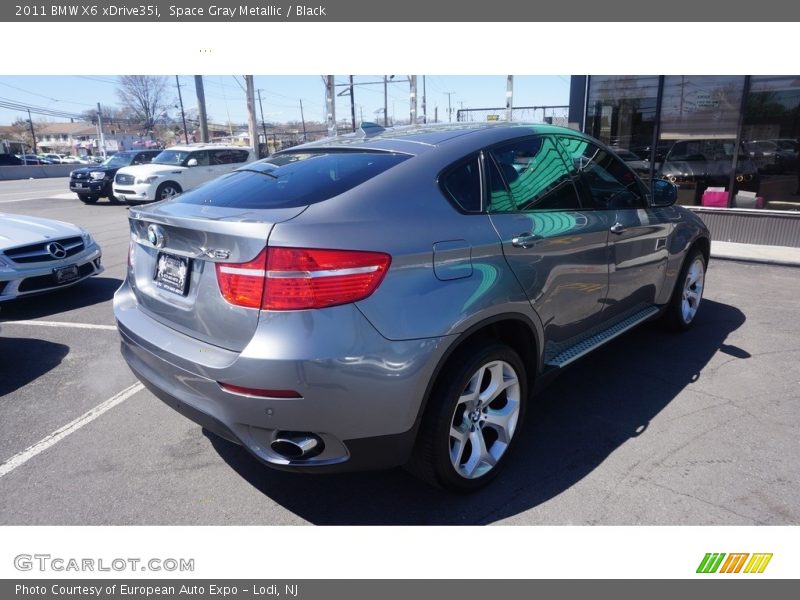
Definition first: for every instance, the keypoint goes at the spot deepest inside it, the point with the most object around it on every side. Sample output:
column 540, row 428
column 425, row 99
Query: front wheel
column 166, row 190
column 688, row 293
column 472, row 419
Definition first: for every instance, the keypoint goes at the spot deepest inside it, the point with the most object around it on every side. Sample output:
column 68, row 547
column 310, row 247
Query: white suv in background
column 178, row 169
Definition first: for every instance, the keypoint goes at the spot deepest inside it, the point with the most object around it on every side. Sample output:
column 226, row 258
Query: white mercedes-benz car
column 40, row 255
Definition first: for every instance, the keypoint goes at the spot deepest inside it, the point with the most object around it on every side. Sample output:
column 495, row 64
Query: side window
column 463, row 185
column 534, row 175
column 607, row 182
column 201, row 157
column 239, row 156
column 221, row 157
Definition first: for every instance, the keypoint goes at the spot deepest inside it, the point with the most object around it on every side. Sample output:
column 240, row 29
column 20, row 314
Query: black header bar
column 677, row 11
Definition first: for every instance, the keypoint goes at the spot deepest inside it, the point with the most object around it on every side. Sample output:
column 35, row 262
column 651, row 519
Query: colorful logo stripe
column 733, row 564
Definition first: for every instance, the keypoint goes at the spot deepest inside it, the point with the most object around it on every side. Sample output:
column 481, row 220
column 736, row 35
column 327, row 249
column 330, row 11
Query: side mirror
column 192, row 162
column 665, row 193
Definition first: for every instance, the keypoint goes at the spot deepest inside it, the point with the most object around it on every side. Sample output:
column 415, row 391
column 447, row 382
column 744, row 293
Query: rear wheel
column 688, row 293
column 87, row 199
column 472, row 419
column 168, row 189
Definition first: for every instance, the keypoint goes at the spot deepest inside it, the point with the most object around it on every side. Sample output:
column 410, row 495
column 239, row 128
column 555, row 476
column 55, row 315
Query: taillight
column 302, row 278
column 242, row 284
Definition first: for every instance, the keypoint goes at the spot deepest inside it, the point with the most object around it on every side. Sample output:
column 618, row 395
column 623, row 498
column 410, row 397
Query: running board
column 575, row 352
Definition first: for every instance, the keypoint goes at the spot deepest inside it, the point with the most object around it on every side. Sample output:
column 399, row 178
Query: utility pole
column 252, row 129
column 183, row 115
column 201, row 108
column 413, row 99
column 509, row 98
column 449, row 107
column 330, row 104
column 352, row 104
column 263, row 126
column 33, row 133
column 303, row 119
column 100, row 126
column 424, row 102
column 385, row 103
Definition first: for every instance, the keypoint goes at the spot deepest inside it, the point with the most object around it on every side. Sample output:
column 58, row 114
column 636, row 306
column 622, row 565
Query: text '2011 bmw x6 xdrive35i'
column 392, row 297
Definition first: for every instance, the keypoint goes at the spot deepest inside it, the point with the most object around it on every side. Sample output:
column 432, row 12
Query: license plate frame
column 66, row 274
column 172, row 273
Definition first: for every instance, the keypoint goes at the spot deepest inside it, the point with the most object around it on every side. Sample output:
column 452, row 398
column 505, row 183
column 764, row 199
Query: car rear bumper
column 363, row 406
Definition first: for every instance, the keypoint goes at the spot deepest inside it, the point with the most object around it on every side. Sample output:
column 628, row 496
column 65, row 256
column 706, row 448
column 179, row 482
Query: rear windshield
column 292, row 179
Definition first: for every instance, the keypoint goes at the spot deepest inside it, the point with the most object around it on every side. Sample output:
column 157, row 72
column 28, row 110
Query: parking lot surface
column 653, row 429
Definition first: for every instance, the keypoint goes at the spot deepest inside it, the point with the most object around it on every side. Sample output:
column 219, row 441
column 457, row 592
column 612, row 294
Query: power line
column 42, row 95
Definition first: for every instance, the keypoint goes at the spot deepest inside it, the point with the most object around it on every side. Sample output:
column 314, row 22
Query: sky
column 281, row 95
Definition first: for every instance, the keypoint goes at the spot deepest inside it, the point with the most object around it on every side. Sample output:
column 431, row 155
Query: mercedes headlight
column 147, row 180
column 88, row 240
column 97, row 174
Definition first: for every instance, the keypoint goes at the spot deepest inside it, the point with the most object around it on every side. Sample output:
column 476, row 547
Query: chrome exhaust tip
column 296, row 446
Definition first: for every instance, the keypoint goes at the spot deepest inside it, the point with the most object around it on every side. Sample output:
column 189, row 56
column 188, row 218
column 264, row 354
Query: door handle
column 525, row 240
column 617, row 228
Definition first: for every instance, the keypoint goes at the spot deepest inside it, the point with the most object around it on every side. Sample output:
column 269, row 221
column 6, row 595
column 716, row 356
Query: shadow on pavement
column 23, row 360
column 594, row 407
column 86, row 293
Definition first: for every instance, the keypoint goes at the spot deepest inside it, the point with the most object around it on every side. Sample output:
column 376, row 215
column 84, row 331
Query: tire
column 471, row 422
column 87, row 199
column 168, row 189
column 688, row 293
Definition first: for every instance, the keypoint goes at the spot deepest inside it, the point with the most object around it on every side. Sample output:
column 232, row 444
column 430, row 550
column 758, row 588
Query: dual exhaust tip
column 297, row 445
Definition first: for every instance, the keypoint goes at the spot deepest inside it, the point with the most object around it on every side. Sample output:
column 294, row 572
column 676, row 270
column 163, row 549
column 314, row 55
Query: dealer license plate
column 172, row 273
column 66, row 274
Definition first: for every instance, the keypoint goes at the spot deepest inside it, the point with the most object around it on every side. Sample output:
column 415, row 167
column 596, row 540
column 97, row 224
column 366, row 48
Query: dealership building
column 730, row 143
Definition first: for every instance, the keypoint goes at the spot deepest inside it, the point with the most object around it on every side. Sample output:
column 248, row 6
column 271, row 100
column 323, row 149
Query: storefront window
column 697, row 141
column 771, row 134
column 621, row 113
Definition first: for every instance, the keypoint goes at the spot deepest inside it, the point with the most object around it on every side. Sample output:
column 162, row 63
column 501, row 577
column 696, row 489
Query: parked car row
column 43, row 159
column 149, row 175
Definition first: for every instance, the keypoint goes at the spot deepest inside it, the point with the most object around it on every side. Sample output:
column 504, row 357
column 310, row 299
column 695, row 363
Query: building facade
column 730, row 143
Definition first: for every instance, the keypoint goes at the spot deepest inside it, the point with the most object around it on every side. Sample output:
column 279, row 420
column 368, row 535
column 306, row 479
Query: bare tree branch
column 145, row 96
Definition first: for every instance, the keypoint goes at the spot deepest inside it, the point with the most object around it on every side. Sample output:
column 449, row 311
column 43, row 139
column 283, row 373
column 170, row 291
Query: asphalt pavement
column 653, row 429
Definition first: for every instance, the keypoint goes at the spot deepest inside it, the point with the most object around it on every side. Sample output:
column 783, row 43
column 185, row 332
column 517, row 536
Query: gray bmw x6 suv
column 392, row 297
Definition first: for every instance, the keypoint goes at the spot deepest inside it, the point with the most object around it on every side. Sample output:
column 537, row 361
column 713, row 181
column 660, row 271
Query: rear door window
column 293, row 179
column 535, row 175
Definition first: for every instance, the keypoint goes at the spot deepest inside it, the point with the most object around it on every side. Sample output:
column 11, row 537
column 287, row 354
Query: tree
column 21, row 130
column 145, row 97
